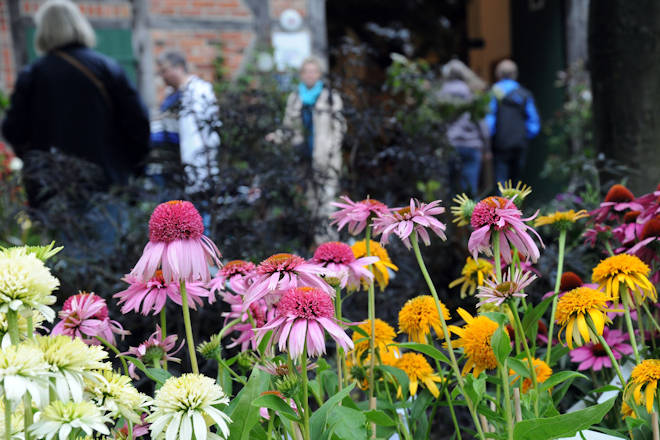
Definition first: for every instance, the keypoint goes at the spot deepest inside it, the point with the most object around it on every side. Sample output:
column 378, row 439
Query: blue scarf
column 309, row 96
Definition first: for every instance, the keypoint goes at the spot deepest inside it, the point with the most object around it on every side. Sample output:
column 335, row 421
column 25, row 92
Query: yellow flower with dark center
column 624, row 270
column 561, row 219
column 646, row 374
column 474, row 338
column 418, row 315
column 419, row 370
column 474, row 272
column 543, row 373
column 384, row 335
column 520, row 191
column 572, row 311
column 380, row 267
column 462, row 210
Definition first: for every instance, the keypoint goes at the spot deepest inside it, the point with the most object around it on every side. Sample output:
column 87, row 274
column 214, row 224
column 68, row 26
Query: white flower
column 117, row 396
column 182, row 406
column 72, row 362
column 25, row 282
column 60, row 419
column 23, row 369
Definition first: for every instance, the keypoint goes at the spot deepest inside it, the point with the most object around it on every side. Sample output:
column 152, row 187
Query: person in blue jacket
column 512, row 122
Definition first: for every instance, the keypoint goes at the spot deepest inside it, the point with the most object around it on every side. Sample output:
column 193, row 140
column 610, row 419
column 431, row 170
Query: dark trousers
column 508, row 164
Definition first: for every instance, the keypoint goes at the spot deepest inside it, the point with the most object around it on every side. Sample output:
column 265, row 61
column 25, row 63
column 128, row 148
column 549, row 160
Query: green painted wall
column 115, row 43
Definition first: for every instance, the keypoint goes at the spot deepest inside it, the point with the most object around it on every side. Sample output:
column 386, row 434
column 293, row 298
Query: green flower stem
column 186, row 323
column 444, row 384
column 445, row 331
column 625, row 297
column 115, row 351
column 555, row 297
column 8, row 426
column 504, row 373
column 223, row 364
column 27, row 414
column 608, row 246
column 305, row 397
column 651, row 318
column 528, row 353
column 497, row 256
column 30, row 326
column 602, row 341
column 163, row 327
column 269, row 434
column 640, row 323
column 371, row 311
column 12, row 325
column 399, row 423
column 340, row 351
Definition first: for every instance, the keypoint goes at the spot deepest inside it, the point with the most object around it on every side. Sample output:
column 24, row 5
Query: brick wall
column 203, row 8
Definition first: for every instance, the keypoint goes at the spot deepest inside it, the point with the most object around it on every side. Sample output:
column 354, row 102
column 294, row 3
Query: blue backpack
column 511, row 119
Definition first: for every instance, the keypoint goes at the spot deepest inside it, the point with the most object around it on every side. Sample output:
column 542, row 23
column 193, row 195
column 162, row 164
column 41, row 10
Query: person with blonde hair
column 313, row 117
column 512, row 121
column 76, row 101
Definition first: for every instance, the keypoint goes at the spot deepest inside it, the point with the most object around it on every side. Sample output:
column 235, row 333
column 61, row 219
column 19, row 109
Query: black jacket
column 54, row 104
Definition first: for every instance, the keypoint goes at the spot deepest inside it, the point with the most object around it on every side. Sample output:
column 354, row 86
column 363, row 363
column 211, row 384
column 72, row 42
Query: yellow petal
column 431, row 386
column 650, row 394
column 637, row 393
column 583, row 327
column 456, row 282
column 465, row 315
column 569, row 333
column 613, row 289
column 413, row 387
column 598, row 319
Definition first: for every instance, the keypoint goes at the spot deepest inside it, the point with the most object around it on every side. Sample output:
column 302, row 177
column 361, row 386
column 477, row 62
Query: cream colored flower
column 61, row 419
column 22, row 370
column 25, row 282
column 118, row 397
column 184, row 404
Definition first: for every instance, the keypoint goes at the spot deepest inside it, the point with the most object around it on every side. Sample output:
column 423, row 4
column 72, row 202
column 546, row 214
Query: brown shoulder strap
column 88, row 73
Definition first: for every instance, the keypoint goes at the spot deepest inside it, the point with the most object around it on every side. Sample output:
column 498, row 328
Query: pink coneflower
column 500, row 214
column 593, row 356
column 236, row 273
column 618, row 199
column 85, row 316
column 512, row 285
column 138, row 430
column 356, row 214
column 303, row 314
column 628, row 231
column 258, row 311
column 281, row 272
column 153, row 294
column 338, row 259
column 177, row 245
column 416, row 217
column 597, row 234
column 154, row 349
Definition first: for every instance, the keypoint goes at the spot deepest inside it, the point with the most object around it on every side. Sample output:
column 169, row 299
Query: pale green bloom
column 41, row 252
column 117, row 396
column 25, row 282
column 5, row 339
column 16, row 421
column 72, row 362
column 183, row 406
column 23, row 369
column 62, row 419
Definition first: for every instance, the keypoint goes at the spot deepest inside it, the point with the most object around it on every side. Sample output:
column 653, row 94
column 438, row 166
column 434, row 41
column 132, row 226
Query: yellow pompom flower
column 474, row 272
column 418, row 315
column 572, row 311
column 462, row 210
column 561, row 219
column 613, row 272
column 646, row 374
column 380, row 267
column 474, row 338
column 543, row 373
column 384, row 335
column 419, row 370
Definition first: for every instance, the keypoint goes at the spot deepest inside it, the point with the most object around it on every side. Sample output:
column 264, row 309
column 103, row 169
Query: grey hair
column 173, row 58
column 60, row 22
column 506, row 69
column 313, row 60
column 455, row 69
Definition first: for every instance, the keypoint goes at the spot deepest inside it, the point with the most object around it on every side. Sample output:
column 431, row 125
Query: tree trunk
column 624, row 57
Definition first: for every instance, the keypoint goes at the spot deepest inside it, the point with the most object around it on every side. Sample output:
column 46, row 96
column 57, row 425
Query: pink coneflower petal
column 356, row 214
column 417, row 216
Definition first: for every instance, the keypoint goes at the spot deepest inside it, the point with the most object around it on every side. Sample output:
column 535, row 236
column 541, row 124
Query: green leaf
column 379, row 418
column 475, row 388
column 426, row 349
column 565, row 425
column 521, row 368
column 264, row 343
column 498, row 317
column 560, row 377
column 329, row 381
column 348, row 424
column 420, row 404
column 606, row 388
column 501, row 345
column 245, row 416
column 533, row 315
column 558, row 352
column 399, row 375
column 276, row 403
column 158, row 375
column 318, row 420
